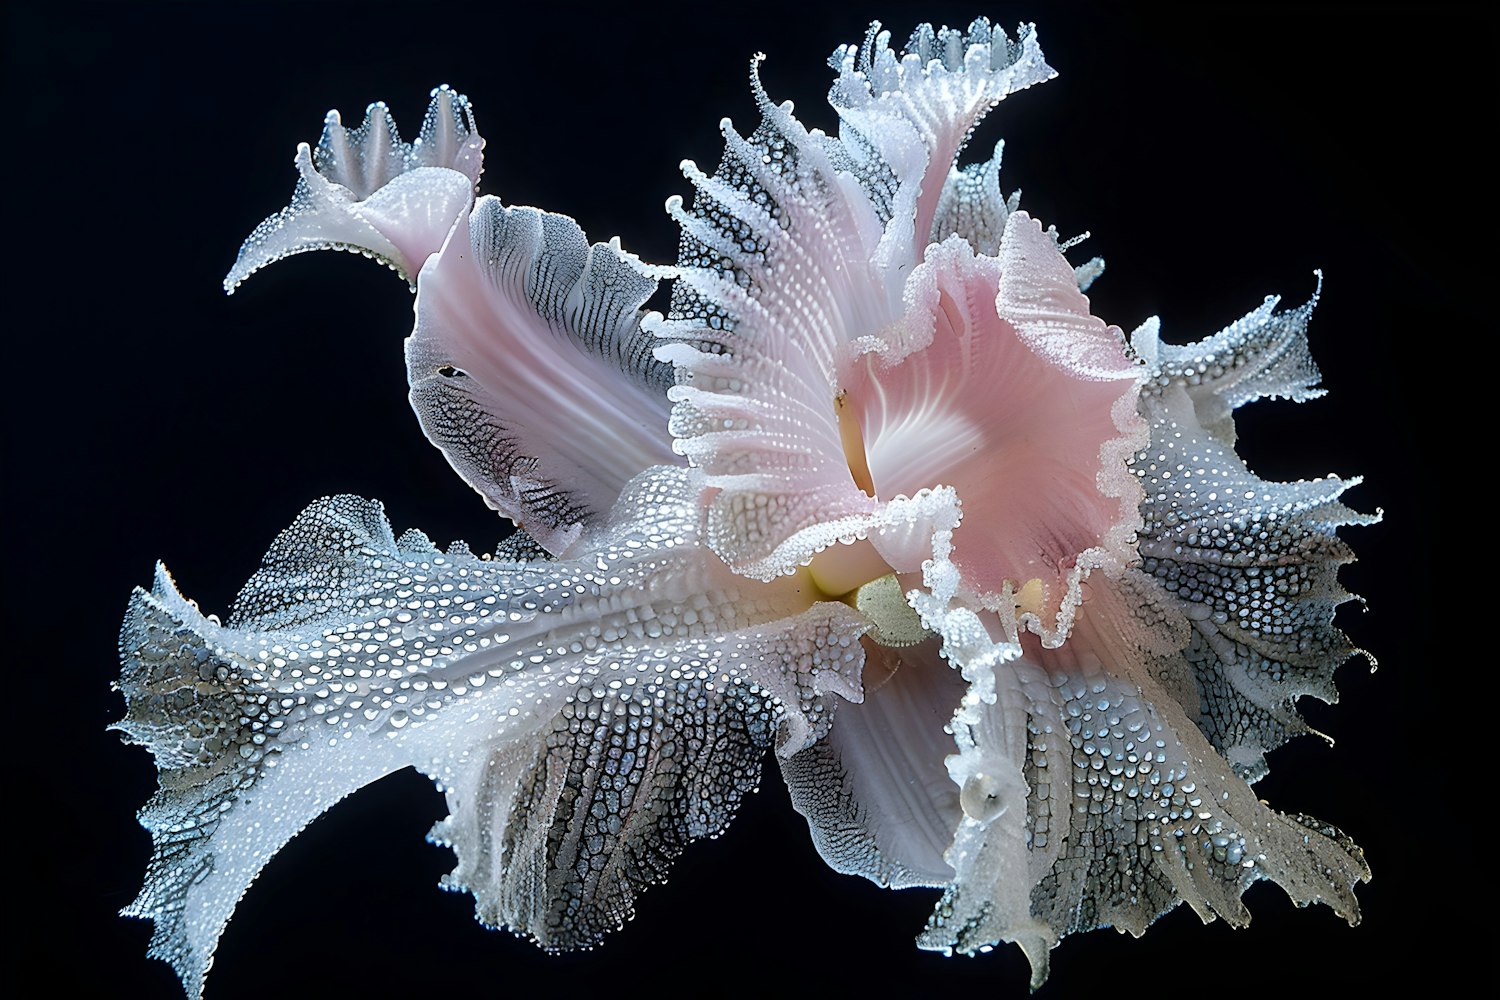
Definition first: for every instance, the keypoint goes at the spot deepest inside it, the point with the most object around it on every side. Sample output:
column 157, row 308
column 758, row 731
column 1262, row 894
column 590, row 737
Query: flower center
column 839, row 570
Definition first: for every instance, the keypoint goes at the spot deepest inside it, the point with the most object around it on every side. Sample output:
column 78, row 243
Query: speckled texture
column 1107, row 621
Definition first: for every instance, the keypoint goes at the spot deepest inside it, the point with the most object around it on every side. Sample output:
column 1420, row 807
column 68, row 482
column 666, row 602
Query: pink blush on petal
column 1018, row 435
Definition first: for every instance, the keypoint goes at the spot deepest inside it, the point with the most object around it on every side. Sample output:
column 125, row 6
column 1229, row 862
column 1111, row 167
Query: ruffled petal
column 972, row 207
column 351, row 654
column 974, row 394
column 794, row 259
column 529, row 369
column 1092, row 800
column 558, row 834
column 1253, row 565
column 1104, row 778
column 1039, row 295
column 775, row 280
column 906, row 116
column 875, row 792
column 369, row 192
column 1263, row 355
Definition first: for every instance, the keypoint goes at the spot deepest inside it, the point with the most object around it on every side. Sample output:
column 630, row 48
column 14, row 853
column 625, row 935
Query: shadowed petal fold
column 557, row 835
column 875, row 792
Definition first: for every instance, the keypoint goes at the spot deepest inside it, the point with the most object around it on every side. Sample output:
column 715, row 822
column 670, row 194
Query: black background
column 1216, row 154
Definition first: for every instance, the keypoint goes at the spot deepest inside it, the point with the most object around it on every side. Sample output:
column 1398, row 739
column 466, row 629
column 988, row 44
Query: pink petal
column 529, row 369
column 795, row 253
column 1039, row 295
column 1034, row 448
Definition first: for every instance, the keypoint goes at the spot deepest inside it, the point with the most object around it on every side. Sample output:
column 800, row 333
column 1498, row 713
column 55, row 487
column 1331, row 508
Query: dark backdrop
column 1217, row 155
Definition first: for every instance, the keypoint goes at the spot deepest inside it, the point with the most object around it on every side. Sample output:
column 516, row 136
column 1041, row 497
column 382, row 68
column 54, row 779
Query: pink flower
column 878, row 492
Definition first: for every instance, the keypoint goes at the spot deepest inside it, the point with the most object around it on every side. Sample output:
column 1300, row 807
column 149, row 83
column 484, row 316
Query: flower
column 878, row 493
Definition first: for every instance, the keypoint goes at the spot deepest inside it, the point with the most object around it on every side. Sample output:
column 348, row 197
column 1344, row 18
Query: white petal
column 1253, row 565
column 757, row 346
column 914, row 111
column 529, row 369
column 1127, row 809
column 875, row 792
column 972, row 207
column 369, row 192
column 349, row 656
column 1263, row 354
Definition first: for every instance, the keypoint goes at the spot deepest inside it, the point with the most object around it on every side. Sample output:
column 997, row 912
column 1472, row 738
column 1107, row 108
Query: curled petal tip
column 367, row 191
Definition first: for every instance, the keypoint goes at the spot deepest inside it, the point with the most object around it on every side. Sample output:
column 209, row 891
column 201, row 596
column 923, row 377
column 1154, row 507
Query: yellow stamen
column 1030, row 597
column 853, row 439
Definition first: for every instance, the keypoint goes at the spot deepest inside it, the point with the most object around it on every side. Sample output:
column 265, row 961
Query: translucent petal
column 369, row 192
column 1033, row 439
column 875, row 792
column 529, row 369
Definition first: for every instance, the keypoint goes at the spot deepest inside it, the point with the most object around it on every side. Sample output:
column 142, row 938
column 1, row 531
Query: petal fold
column 530, row 371
column 875, row 793
column 1252, row 564
column 1091, row 800
column 369, row 192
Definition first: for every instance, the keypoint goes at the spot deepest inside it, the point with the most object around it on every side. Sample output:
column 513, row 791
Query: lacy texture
column 877, row 495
